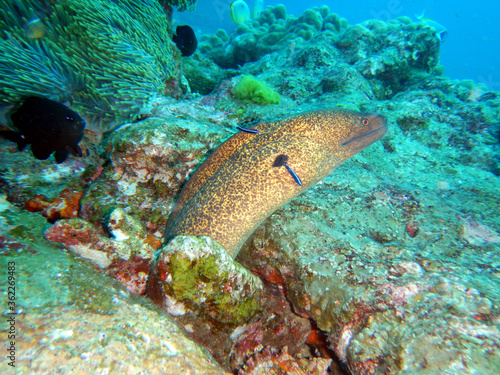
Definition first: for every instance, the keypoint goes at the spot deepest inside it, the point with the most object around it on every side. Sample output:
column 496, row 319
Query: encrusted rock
column 150, row 161
column 197, row 274
column 128, row 253
column 73, row 319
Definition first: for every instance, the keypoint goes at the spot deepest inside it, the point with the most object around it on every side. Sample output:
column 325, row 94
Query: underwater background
column 249, row 188
column 471, row 48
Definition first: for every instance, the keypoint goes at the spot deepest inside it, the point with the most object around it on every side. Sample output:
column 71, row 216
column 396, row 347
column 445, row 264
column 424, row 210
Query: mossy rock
column 306, row 32
column 279, row 11
column 202, row 276
column 332, row 22
column 377, row 26
column 272, row 38
column 324, row 10
column 312, row 18
column 250, row 89
column 353, row 34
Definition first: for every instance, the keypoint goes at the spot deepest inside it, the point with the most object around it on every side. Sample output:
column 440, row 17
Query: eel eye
column 365, row 121
column 69, row 118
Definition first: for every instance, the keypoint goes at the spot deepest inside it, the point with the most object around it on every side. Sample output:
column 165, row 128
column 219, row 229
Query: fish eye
column 365, row 121
column 69, row 118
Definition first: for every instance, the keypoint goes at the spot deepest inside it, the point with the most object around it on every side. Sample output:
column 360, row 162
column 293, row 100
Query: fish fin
column 294, row 175
column 61, row 155
column 420, row 16
column 231, row 7
column 41, row 152
column 255, row 131
column 15, row 137
column 75, row 150
column 21, row 143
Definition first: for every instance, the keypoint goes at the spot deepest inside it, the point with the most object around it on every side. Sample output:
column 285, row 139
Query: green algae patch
column 22, row 232
column 250, row 89
column 409, row 123
column 200, row 275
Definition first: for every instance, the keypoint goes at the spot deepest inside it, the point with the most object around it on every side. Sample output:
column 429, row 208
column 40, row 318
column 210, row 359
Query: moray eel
column 258, row 170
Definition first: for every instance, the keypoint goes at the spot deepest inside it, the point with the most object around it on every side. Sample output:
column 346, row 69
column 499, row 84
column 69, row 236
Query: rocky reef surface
column 389, row 265
column 71, row 318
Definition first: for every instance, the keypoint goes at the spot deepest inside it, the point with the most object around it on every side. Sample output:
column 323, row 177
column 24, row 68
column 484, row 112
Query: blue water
column 471, row 49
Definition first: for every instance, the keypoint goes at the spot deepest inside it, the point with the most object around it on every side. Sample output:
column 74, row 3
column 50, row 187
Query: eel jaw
column 359, row 142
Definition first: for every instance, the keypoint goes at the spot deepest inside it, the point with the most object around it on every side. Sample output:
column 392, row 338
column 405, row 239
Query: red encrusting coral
column 132, row 273
column 64, row 207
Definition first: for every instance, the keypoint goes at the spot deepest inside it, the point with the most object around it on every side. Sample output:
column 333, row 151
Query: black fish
column 185, row 40
column 48, row 126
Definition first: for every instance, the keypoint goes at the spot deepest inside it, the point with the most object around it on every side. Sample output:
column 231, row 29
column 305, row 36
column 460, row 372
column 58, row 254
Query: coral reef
column 272, row 31
column 390, row 265
column 70, row 317
column 389, row 54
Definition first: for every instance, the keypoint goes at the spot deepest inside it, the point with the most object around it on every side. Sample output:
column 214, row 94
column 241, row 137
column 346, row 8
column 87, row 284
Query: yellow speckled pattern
column 237, row 187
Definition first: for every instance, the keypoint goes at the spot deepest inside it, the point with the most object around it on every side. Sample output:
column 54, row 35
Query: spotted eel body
column 246, row 178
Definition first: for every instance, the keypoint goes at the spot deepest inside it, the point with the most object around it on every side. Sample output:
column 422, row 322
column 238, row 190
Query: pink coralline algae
column 10, row 245
column 82, row 238
column 127, row 255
